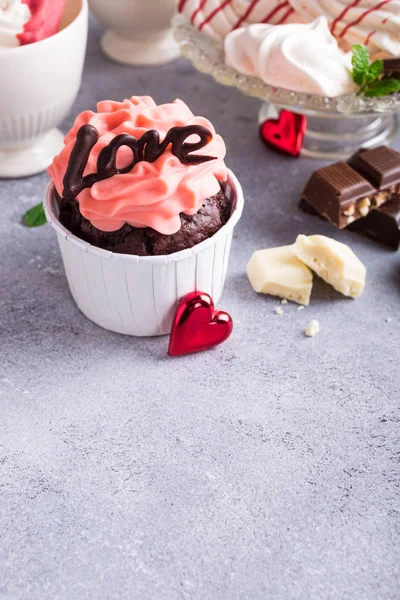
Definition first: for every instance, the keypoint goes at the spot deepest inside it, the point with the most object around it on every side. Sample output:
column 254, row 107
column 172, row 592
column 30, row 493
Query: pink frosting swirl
column 44, row 22
column 152, row 194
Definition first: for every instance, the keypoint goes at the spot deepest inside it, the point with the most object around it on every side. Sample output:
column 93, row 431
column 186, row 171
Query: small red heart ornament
column 197, row 326
column 285, row 134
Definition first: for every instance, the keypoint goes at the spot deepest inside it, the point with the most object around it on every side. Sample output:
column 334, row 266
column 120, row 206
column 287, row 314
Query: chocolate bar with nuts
column 345, row 192
column 339, row 193
column 382, row 224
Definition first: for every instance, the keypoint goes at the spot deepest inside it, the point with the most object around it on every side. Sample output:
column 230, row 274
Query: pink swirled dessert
column 27, row 21
column 217, row 18
column 285, row 57
column 374, row 23
column 140, row 178
column 299, row 45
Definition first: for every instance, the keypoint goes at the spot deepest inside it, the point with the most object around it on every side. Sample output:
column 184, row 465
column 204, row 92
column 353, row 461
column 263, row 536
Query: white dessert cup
column 39, row 83
column 138, row 31
column 138, row 295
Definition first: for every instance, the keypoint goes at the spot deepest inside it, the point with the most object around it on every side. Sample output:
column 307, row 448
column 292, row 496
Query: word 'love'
column 147, row 148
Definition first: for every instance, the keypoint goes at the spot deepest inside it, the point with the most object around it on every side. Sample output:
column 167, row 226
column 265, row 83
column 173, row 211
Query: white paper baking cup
column 138, row 295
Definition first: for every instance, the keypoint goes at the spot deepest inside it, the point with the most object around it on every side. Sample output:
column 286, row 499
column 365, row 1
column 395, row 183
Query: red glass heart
column 197, row 326
column 285, row 134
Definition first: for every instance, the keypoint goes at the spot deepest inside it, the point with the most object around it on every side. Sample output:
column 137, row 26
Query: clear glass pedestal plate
column 336, row 127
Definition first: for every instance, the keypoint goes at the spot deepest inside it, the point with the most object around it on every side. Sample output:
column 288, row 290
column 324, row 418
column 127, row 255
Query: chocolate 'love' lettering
column 147, row 148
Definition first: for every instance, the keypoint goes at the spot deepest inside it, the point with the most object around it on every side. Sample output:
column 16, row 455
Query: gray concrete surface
column 265, row 469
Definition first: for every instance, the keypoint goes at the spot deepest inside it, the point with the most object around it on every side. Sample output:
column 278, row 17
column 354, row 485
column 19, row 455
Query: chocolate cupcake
column 212, row 215
column 142, row 196
column 143, row 186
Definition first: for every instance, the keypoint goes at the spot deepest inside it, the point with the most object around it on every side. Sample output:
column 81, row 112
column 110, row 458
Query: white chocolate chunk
column 335, row 262
column 277, row 271
column 313, row 328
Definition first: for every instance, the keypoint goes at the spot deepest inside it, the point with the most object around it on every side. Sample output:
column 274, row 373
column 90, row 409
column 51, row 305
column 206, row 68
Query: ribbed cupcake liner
column 138, row 295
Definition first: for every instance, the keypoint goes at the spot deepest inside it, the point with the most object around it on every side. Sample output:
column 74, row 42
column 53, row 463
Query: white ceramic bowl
column 38, row 85
column 138, row 295
column 139, row 31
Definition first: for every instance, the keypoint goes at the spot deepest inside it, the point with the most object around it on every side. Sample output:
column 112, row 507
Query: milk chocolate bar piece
column 345, row 192
column 339, row 193
column 382, row 224
column 381, row 166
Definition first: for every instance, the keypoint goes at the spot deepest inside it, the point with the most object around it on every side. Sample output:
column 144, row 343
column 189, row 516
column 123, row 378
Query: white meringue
column 299, row 57
column 373, row 23
column 217, row 18
column 13, row 16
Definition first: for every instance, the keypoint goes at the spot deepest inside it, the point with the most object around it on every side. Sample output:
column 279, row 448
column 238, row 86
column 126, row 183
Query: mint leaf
column 374, row 70
column 382, row 88
column 368, row 76
column 35, row 217
column 360, row 62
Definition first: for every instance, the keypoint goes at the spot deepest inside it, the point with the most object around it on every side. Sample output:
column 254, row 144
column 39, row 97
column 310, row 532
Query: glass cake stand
column 336, row 127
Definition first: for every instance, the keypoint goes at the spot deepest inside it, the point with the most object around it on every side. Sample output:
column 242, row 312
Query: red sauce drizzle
column 213, row 13
column 343, row 14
